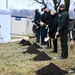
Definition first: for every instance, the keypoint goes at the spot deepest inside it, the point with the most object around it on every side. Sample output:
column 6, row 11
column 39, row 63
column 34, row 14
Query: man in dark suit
column 37, row 25
column 45, row 18
column 63, row 29
column 53, row 28
column 43, row 28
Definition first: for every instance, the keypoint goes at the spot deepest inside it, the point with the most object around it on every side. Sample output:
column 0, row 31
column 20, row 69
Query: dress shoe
column 53, row 52
column 47, row 47
column 62, row 58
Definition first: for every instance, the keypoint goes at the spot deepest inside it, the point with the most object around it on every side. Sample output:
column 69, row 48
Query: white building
column 21, row 23
column 5, row 25
column 21, row 26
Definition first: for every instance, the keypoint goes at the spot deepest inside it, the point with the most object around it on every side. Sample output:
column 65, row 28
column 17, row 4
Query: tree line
column 55, row 2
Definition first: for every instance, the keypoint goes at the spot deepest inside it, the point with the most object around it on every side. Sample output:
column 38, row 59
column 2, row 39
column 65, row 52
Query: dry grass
column 13, row 62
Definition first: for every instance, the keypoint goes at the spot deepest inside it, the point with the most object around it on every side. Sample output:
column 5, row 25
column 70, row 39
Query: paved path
column 19, row 39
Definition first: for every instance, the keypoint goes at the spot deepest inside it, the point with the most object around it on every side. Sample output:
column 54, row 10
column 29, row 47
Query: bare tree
column 67, row 3
column 56, row 4
column 41, row 2
column 45, row 2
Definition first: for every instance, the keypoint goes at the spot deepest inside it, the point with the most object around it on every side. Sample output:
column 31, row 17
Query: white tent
column 5, row 25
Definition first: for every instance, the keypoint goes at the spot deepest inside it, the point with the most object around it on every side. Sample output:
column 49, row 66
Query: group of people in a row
column 50, row 24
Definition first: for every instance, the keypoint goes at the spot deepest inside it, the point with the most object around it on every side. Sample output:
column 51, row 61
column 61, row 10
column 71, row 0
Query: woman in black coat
column 53, row 28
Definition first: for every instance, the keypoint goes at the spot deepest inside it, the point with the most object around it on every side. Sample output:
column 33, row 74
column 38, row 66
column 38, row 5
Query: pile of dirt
column 51, row 69
column 32, row 50
column 22, row 41
column 36, row 45
column 26, row 43
column 42, row 56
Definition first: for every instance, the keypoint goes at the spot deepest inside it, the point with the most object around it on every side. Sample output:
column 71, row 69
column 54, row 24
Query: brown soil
column 36, row 45
column 42, row 56
column 51, row 69
column 27, row 43
column 31, row 49
column 22, row 41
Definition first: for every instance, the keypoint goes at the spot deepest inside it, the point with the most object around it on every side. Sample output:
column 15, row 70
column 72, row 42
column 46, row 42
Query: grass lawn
column 14, row 62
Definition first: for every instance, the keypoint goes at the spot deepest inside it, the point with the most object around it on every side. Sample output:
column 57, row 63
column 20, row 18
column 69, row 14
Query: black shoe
column 37, row 42
column 53, row 52
column 62, row 58
column 47, row 47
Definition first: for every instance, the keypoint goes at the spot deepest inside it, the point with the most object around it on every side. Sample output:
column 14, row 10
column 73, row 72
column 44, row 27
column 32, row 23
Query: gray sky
column 20, row 4
column 29, row 4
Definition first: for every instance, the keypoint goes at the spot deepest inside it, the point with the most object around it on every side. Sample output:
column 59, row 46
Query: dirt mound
column 26, row 43
column 32, row 50
column 36, row 45
column 51, row 69
column 42, row 56
column 22, row 41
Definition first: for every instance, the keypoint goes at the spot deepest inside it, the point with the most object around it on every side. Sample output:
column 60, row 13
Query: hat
column 36, row 10
column 62, row 5
column 42, row 9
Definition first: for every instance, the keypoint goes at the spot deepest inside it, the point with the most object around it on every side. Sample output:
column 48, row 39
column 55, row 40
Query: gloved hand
column 37, row 27
column 46, row 39
column 57, row 33
column 41, row 23
column 46, row 26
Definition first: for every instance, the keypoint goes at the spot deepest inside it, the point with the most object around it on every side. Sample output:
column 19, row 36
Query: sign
column 18, row 18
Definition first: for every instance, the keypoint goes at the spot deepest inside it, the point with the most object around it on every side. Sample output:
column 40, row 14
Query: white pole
column 6, row 4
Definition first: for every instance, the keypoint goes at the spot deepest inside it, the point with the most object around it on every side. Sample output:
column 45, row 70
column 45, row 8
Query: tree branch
column 41, row 2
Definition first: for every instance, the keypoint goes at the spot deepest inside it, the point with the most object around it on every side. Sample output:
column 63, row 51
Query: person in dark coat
column 45, row 19
column 53, row 28
column 43, row 28
column 63, row 29
column 37, row 25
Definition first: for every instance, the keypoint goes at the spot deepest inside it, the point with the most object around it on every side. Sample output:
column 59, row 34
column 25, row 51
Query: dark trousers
column 55, row 45
column 49, row 44
column 37, row 34
column 43, row 35
column 42, row 40
column 64, row 45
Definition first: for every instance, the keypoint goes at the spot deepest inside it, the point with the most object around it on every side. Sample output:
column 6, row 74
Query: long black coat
column 37, row 22
column 46, row 17
column 53, row 25
column 37, row 18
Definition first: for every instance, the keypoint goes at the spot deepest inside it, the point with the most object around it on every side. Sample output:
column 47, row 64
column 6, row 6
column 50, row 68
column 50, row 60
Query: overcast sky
column 28, row 4
column 25, row 4
column 21, row 4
